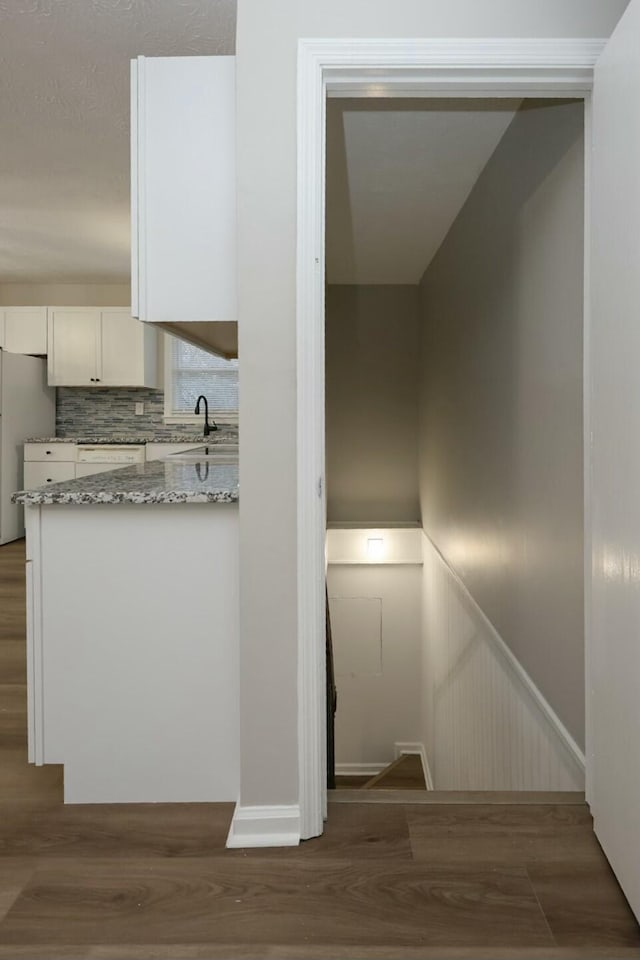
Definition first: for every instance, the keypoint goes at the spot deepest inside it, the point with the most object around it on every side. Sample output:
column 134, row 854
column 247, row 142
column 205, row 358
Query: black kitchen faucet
column 208, row 427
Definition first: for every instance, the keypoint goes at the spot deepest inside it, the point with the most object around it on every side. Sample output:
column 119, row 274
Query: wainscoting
column 484, row 723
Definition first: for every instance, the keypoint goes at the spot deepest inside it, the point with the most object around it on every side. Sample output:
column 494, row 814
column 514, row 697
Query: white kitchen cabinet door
column 74, row 346
column 183, row 189
column 614, row 714
column 100, row 347
column 128, row 351
column 39, row 474
column 24, row 330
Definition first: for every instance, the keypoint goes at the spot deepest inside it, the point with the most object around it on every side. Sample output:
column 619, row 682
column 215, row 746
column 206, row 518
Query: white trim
column 377, row 67
column 273, row 826
column 35, row 652
column 135, row 136
column 360, row 769
column 571, row 749
column 586, row 452
column 310, row 444
column 139, row 247
column 413, row 749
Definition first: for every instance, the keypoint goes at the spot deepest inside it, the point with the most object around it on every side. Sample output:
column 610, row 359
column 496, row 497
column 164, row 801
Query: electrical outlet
column 139, row 408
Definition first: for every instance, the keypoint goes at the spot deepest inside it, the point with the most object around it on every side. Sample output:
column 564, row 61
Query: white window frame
column 220, row 417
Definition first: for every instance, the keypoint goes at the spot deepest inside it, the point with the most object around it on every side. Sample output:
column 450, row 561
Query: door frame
column 392, row 68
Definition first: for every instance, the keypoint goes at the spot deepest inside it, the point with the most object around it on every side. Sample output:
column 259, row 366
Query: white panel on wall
column 356, row 628
column 485, row 724
column 377, row 708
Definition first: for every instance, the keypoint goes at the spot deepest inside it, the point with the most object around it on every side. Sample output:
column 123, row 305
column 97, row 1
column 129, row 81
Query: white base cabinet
column 48, row 463
column 52, row 463
column 38, row 474
column 133, row 650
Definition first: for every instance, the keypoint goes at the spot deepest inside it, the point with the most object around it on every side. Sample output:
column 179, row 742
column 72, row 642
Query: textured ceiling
column 398, row 173
column 64, row 122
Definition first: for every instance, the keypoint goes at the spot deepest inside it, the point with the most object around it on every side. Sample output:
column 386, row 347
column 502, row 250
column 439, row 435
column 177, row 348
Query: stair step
column 405, row 773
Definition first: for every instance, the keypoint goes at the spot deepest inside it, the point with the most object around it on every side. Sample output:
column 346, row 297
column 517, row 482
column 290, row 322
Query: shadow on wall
column 485, row 724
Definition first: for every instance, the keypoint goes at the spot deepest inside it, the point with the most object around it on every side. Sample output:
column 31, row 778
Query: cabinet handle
column 48, row 452
column 97, row 379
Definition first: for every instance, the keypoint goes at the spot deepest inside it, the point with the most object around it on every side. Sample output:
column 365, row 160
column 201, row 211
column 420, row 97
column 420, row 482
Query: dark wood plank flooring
column 386, row 880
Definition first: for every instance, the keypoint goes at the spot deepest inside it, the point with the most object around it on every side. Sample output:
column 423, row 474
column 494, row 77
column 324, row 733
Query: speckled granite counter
column 153, row 482
column 221, row 436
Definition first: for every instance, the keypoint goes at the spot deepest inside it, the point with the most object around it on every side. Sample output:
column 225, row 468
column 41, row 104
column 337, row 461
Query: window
column 190, row 372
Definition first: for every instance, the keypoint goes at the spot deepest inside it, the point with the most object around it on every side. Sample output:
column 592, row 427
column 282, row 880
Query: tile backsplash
column 110, row 412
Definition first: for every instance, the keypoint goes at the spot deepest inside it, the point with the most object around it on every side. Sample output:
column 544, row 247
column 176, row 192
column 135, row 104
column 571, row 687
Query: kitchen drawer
column 50, row 452
column 38, row 474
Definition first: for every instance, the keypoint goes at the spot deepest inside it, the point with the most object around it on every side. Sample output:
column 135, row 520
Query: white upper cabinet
column 128, row 351
column 102, row 347
column 184, row 197
column 74, row 339
column 24, row 330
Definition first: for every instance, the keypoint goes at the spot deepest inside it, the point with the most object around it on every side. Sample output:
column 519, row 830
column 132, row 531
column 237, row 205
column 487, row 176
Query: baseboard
column 360, row 769
column 275, row 826
column 402, row 748
column 572, row 752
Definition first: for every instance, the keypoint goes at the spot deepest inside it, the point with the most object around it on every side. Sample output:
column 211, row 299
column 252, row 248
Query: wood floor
column 387, row 880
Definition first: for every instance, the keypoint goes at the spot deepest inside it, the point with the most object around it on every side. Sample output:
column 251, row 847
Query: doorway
column 454, row 395
column 380, row 68
column 543, row 67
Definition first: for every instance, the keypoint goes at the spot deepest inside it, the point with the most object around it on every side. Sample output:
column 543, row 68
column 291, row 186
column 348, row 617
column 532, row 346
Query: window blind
column 194, row 372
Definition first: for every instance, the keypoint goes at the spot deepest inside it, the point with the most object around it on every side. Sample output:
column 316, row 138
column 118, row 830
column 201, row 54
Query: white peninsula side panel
column 134, row 660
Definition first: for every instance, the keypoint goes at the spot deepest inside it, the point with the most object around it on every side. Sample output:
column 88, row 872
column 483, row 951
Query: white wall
column 266, row 48
column 372, row 369
column 501, row 466
column 484, row 725
column 65, row 294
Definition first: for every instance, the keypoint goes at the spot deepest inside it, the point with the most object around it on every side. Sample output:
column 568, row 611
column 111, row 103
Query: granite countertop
column 153, row 482
column 220, row 436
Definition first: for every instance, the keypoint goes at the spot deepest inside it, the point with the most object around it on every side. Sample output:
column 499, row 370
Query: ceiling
column 64, row 116
column 398, row 173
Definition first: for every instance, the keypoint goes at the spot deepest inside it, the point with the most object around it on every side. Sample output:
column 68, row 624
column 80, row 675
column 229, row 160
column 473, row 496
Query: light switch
column 139, row 408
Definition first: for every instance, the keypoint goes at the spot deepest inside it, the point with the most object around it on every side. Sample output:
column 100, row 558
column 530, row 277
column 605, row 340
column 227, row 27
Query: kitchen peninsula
column 132, row 632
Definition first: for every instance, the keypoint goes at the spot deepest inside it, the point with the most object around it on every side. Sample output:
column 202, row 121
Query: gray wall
column 266, row 48
column 372, row 367
column 501, row 465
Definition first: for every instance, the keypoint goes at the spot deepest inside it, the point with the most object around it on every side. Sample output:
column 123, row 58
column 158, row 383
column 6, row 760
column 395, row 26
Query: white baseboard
column 276, row 826
column 403, row 748
column 360, row 769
